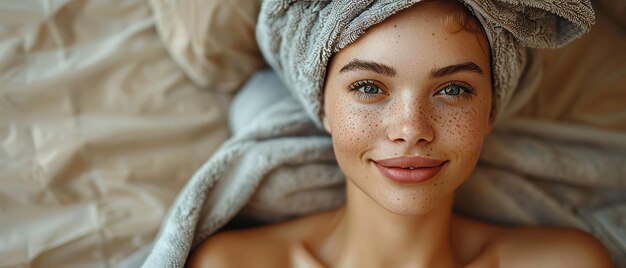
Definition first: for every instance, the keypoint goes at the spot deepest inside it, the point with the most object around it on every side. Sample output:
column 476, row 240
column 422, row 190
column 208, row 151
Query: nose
column 411, row 125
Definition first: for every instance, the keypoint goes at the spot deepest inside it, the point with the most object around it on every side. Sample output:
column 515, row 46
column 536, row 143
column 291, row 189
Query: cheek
column 463, row 130
column 354, row 127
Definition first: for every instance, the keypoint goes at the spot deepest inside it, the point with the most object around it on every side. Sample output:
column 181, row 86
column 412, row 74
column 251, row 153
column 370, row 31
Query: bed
column 106, row 110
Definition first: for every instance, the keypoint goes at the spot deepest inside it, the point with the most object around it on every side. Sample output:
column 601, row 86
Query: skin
column 374, row 115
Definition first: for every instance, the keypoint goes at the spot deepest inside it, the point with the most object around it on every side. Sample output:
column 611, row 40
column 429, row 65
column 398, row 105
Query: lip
column 398, row 169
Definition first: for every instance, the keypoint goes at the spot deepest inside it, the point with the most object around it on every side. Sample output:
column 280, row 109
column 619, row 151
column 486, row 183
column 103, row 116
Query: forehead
column 418, row 37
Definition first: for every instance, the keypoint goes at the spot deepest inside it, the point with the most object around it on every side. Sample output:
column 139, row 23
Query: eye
column 370, row 89
column 456, row 90
column 366, row 89
column 452, row 90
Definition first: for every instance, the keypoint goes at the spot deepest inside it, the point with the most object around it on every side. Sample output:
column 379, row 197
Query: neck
column 367, row 234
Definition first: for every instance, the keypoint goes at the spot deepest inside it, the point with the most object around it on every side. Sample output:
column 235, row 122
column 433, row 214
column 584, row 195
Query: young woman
column 408, row 106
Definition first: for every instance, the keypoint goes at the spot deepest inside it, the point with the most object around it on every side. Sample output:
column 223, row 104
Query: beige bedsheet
column 584, row 83
column 99, row 129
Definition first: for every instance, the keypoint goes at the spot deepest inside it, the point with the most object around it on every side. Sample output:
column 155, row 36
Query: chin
column 413, row 202
column 410, row 210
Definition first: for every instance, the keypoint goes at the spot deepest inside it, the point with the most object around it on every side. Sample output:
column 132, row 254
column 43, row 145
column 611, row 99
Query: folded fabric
column 278, row 149
column 277, row 166
column 298, row 38
column 202, row 39
column 534, row 172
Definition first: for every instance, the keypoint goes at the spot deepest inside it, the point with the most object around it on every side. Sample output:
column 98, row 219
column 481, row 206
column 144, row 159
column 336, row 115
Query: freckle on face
column 360, row 130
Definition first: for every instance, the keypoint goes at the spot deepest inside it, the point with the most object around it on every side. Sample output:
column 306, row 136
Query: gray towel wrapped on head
column 279, row 164
column 298, row 38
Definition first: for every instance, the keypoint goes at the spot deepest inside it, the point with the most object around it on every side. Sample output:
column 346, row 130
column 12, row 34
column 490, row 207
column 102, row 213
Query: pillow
column 213, row 41
column 615, row 9
column 583, row 83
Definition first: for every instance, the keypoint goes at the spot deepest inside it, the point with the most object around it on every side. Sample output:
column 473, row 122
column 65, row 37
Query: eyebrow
column 387, row 70
column 376, row 67
column 456, row 68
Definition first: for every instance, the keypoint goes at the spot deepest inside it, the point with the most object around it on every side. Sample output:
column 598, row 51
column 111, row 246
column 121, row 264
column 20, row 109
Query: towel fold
column 279, row 164
column 297, row 38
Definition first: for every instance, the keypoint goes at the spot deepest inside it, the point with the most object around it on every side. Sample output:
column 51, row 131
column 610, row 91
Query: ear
column 326, row 123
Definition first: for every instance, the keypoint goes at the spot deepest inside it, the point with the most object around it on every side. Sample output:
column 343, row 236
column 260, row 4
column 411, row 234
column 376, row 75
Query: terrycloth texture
column 298, row 37
column 279, row 165
column 279, row 149
column 531, row 172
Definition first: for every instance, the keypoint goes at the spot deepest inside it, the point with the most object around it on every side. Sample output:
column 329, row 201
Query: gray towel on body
column 279, row 164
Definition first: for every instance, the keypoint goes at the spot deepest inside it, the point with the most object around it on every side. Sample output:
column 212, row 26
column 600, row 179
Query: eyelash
column 467, row 93
column 354, row 89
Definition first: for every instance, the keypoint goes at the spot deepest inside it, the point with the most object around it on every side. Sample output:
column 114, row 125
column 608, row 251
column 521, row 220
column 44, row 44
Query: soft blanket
column 279, row 164
column 530, row 172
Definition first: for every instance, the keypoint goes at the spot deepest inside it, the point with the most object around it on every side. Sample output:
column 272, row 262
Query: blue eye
column 366, row 89
column 456, row 90
column 366, row 86
column 452, row 90
column 369, row 89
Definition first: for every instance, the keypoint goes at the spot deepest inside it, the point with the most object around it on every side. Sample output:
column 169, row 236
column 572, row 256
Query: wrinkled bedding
column 107, row 110
column 99, row 129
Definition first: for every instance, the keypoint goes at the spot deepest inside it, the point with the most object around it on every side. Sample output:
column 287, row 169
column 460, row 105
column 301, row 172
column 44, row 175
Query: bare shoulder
column 549, row 247
column 268, row 246
column 243, row 248
column 482, row 244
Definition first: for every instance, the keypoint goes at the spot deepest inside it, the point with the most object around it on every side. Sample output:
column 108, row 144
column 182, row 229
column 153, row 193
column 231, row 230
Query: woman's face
column 408, row 107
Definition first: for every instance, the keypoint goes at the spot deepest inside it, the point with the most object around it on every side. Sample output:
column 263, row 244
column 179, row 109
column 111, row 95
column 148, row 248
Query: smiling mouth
column 409, row 169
